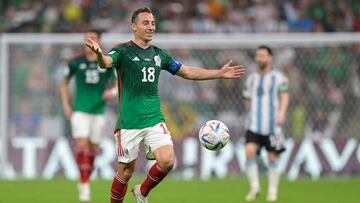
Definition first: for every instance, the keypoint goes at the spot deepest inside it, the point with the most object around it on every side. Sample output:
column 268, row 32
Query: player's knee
column 273, row 157
column 82, row 144
column 250, row 155
column 125, row 170
column 166, row 162
column 126, row 173
column 249, row 158
column 250, row 152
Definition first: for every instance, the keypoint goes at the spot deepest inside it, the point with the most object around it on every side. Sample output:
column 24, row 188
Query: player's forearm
column 114, row 89
column 247, row 104
column 104, row 61
column 195, row 73
column 64, row 93
column 284, row 103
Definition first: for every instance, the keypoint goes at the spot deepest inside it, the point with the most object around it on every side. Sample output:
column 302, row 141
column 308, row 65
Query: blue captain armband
column 174, row 67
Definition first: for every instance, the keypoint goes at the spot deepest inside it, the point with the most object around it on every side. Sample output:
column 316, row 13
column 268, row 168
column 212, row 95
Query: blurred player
column 87, row 115
column 268, row 98
column 138, row 65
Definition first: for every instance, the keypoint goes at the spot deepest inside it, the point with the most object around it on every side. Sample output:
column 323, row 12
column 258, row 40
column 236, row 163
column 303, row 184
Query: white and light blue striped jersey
column 263, row 93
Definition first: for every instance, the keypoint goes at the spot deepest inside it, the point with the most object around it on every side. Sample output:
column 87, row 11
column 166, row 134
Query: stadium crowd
column 324, row 81
column 182, row 16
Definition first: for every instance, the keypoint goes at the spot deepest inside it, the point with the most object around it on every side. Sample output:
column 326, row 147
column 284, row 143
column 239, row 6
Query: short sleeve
column 283, row 85
column 115, row 55
column 70, row 70
column 169, row 64
column 247, row 91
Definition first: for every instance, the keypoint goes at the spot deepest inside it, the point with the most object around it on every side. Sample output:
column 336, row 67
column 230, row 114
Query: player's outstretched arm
column 111, row 93
column 65, row 98
column 103, row 60
column 227, row 72
column 284, row 102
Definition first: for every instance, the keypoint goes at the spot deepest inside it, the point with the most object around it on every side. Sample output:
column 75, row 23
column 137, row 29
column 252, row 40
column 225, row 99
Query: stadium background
column 315, row 44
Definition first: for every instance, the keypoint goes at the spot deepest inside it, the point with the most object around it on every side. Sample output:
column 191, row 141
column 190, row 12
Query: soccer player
column 138, row 65
column 267, row 97
column 87, row 115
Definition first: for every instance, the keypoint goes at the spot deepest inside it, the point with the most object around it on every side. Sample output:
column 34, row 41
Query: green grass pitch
column 182, row 191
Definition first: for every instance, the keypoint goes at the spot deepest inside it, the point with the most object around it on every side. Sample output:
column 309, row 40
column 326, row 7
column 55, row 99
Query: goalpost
column 47, row 52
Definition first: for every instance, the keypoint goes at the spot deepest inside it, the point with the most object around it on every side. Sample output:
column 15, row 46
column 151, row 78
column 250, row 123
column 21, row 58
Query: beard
column 262, row 66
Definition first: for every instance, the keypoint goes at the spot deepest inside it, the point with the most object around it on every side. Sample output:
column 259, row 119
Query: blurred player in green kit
column 87, row 113
column 138, row 65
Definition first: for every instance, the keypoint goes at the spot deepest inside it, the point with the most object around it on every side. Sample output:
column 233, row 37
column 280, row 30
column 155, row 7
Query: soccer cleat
column 271, row 196
column 137, row 194
column 84, row 192
column 149, row 154
column 252, row 195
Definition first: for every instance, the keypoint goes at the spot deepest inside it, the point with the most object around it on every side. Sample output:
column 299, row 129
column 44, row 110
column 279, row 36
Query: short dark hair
column 96, row 31
column 267, row 48
column 138, row 11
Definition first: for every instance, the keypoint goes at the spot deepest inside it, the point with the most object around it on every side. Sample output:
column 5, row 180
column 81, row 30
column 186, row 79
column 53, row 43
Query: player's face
column 92, row 35
column 144, row 26
column 262, row 58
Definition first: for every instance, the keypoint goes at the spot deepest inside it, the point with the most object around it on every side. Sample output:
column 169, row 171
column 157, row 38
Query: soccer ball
column 214, row 135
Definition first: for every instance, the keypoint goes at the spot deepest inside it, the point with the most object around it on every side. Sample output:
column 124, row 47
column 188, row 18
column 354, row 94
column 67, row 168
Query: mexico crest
column 157, row 60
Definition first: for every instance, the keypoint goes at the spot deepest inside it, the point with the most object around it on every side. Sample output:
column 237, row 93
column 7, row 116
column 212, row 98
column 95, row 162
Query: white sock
column 274, row 176
column 252, row 173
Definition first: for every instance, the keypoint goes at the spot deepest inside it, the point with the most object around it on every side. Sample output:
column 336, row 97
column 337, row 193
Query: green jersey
column 138, row 73
column 91, row 82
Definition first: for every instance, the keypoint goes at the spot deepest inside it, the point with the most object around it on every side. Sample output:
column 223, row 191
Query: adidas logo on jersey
column 136, row 59
column 82, row 66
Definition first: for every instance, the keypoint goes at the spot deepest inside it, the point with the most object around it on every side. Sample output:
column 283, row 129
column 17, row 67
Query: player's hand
column 228, row 71
column 280, row 118
column 68, row 111
column 108, row 94
column 94, row 46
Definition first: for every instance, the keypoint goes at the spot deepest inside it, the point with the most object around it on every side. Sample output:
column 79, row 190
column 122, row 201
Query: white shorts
column 128, row 141
column 91, row 126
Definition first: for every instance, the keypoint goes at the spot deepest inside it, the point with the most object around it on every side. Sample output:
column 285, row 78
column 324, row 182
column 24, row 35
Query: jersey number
column 165, row 131
column 148, row 74
column 92, row 76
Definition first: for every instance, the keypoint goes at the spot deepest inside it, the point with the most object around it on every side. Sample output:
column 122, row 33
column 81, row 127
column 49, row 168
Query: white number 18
column 149, row 75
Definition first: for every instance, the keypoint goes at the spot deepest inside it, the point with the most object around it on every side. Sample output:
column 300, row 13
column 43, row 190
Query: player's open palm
column 94, row 46
column 229, row 71
column 108, row 95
